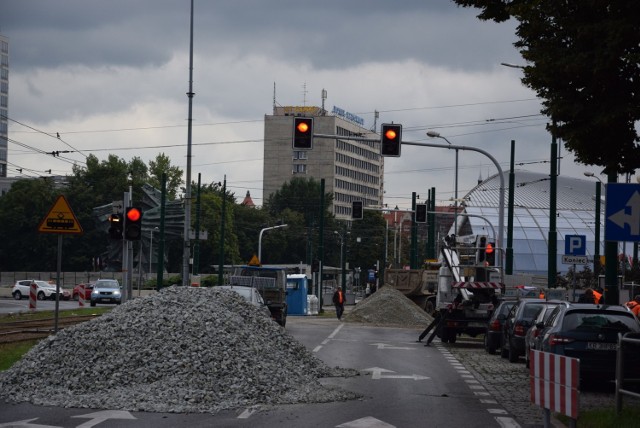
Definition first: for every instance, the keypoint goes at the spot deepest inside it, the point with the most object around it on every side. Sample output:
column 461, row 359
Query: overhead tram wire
column 57, row 136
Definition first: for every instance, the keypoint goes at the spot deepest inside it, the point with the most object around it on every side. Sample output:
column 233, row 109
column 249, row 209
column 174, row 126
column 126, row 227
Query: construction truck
column 467, row 291
column 271, row 283
column 419, row 285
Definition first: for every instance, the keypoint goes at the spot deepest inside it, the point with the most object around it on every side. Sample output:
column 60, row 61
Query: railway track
column 21, row 331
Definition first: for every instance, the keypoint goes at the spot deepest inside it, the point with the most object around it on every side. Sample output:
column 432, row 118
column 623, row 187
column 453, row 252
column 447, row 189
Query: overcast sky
column 111, row 77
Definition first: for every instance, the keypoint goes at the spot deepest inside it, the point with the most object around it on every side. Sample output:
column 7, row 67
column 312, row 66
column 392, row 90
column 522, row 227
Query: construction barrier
column 554, row 381
column 81, row 297
column 33, row 296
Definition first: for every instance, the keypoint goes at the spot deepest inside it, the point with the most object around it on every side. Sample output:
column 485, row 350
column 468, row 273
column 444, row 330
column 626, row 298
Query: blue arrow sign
column 622, row 212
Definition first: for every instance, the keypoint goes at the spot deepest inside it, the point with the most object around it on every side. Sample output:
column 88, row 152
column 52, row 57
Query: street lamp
column 260, row 238
column 342, row 260
column 596, row 252
column 433, row 134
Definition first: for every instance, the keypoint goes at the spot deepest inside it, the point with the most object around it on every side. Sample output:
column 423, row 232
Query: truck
column 419, row 285
column 464, row 302
column 271, row 283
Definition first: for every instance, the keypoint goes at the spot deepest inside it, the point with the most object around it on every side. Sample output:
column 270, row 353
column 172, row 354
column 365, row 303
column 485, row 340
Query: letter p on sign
column 575, row 245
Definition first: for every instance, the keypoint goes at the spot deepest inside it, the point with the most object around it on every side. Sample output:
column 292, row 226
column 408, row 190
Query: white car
column 251, row 295
column 44, row 290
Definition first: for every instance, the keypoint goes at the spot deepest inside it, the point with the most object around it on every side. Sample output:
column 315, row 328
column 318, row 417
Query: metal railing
column 623, row 342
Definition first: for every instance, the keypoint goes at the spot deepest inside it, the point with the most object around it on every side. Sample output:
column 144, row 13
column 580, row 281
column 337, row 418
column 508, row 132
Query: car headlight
column 116, row 293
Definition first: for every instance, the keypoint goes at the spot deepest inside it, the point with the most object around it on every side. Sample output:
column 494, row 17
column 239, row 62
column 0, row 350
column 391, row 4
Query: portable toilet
column 297, row 294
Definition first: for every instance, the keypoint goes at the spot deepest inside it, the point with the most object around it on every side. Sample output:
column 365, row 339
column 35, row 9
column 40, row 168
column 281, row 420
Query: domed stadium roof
column 575, row 215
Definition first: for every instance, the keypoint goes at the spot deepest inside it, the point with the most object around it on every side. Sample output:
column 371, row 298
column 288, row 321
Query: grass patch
column 606, row 418
column 12, row 352
column 38, row 315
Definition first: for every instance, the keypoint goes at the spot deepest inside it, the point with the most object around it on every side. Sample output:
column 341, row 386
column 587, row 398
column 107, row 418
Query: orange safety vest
column 340, row 298
column 596, row 296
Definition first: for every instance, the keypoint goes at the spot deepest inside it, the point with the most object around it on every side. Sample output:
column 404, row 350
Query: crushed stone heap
column 389, row 307
column 181, row 350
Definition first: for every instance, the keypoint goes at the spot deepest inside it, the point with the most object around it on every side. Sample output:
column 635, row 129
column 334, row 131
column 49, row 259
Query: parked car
column 251, row 295
column 106, row 291
column 590, row 332
column 493, row 335
column 44, row 290
column 533, row 337
column 515, row 327
column 88, row 288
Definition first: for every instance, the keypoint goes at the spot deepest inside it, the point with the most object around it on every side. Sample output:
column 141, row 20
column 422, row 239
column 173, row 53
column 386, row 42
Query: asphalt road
column 403, row 384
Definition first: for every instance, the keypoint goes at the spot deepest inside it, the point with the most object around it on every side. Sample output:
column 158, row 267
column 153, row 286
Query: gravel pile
column 389, row 307
column 181, row 350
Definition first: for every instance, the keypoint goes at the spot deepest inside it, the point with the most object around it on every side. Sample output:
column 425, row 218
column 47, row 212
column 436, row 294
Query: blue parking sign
column 575, row 245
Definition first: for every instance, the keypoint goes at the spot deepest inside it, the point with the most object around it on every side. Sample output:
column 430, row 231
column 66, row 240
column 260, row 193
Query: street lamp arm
column 260, row 238
column 500, row 174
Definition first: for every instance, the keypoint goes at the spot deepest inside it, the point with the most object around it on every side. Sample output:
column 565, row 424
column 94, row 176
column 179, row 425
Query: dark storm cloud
column 325, row 35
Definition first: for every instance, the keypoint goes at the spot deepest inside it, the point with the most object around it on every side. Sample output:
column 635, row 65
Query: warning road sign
column 60, row 219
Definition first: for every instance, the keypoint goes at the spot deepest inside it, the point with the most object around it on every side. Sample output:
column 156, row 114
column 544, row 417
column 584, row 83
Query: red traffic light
column 390, row 134
column 390, row 139
column 133, row 214
column 303, row 127
column 303, row 133
column 489, row 248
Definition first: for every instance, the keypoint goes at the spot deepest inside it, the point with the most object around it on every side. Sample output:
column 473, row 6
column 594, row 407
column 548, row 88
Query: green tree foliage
column 301, row 195
column 583, row 61
column 371, row 230
column 22, row 209
column 162, row 165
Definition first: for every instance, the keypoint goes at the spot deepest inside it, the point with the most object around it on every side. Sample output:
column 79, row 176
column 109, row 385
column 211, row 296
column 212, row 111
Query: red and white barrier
column 81, row 297
column 33, row 296
column 554, row 381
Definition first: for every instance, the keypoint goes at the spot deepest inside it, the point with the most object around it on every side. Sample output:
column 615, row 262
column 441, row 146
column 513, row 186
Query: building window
column 300, row 154
column 300, row 169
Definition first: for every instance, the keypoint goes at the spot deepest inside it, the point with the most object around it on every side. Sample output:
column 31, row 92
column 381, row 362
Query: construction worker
column 636, row 308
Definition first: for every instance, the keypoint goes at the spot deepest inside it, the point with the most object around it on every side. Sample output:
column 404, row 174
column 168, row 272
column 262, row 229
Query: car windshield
column 107, row 284
column 599, row 321
column 44, row 284
column 532, row 310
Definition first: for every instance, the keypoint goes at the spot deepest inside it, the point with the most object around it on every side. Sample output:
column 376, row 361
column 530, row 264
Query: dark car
column 493, row 335
column 533, row 337
column 515, row 328
column 589, row 332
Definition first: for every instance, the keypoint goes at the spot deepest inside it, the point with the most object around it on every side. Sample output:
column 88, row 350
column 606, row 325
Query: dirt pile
column 388, row 307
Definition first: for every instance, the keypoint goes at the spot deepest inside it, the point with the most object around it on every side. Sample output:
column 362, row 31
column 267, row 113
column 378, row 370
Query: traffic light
column 115, row 226
column 357, row 212
column 133, row 224
column 481, row 254
column 390, row 139
column 490, row 252
column 421, row 213
column 303, row 133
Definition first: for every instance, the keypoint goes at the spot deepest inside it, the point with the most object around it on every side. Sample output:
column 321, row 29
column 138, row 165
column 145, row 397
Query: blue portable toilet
column 297, row 294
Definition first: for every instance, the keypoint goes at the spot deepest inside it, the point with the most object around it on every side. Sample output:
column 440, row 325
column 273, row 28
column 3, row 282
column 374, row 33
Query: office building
column 352, row 170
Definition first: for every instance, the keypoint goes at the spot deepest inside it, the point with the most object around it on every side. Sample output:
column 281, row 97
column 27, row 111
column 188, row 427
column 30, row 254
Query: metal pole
column 596, row 252
column 552, row 242
column 187, row 197
column 150, row 250
column 611, row 295
column 512, row 184
column 160, row 267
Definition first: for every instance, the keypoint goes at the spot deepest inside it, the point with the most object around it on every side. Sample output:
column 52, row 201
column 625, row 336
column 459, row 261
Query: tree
column 583, row 63
column 22, row 209
column 301, row 195
column 162, row 164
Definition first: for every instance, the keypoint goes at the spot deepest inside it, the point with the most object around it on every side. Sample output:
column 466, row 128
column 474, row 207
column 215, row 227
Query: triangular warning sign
column 60, row 219
column 255, row 261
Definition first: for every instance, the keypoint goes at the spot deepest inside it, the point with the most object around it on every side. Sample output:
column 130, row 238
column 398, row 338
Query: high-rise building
column 352, row 170
column 4, row 104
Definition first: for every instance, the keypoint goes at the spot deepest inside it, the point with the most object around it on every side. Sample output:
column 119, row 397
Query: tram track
column 20, row 331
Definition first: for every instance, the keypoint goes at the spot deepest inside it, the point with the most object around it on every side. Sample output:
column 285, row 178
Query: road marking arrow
column 385, row 346
column 98, row 417
column 632, row 219
column 366, row 422
column 27, row 424
column 378, row 373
